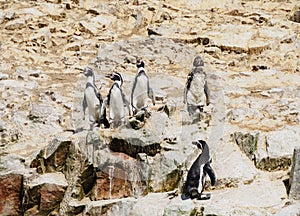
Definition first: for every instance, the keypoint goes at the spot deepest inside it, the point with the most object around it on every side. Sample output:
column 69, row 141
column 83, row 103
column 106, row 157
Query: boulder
column 276, row 149
column 110, row 207
column 44, row 193
column 12, row 173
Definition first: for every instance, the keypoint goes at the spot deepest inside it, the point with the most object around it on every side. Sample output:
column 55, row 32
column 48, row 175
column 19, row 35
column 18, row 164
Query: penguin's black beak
column 110, row 75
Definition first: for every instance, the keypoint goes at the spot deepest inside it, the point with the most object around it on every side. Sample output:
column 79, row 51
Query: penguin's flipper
column 211, row 173
column 84, row 106
column 151, row 95
column 103, row 119
column 126, row 103
column 207, row 93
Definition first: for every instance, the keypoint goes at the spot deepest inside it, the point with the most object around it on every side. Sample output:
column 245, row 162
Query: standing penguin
column 196, row 175
column 196, row 93
column 141, row 89
column 92, row 98
column 116, row 101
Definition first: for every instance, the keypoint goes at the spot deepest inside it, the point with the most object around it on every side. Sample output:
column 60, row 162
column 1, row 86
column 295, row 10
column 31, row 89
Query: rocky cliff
column 51, row 163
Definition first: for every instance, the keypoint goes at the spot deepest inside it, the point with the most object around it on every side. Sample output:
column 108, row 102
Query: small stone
column 89, row 27
column 4, row 76
column 35, row 73
column 15, row 24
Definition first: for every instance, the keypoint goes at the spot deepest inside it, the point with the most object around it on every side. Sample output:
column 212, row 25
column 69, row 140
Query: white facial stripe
column 141, row 69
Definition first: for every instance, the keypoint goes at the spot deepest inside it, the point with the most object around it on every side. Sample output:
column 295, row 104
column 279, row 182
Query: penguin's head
column 140, row 63
column 88, row 72
column 198, row 62
column 117, row 77
column 200, row 144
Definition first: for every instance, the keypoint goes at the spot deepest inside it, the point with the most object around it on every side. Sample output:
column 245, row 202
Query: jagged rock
column 168, row 171
column 272, row 152
column 44, row 193
column 146, row 140
column 294, row 192
column 52, row 158
column 247, row 143
column 276, row 149
column 10, row 190
column 12, row 172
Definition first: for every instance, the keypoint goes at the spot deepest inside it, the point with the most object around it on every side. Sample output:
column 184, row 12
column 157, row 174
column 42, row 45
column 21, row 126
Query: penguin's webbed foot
column 194, row 193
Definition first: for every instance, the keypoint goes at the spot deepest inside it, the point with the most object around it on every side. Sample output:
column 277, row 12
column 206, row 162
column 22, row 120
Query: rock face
column 52, row 163
column 11, row 189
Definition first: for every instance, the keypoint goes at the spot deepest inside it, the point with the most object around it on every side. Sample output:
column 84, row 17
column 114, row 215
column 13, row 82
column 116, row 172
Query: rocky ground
column 50, row 163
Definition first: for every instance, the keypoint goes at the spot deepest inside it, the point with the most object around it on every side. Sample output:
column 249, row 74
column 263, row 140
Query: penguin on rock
column 141, row 89
column 92, row 99
column 196, row 92
column 115, row 101
column 196, row 175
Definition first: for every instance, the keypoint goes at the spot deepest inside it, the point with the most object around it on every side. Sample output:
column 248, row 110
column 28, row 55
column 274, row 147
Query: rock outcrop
column 52, row 163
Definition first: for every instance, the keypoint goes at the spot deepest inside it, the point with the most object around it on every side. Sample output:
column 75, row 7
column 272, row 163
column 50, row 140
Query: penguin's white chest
column 116, row 104
column 93, row 103
column 140, row 92
column 196, row 95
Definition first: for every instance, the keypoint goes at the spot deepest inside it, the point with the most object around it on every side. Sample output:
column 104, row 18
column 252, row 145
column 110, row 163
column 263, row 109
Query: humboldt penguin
column 196, row 92
column 116, row 101
column 141, row 89
column 196, row 175
column 92, row 98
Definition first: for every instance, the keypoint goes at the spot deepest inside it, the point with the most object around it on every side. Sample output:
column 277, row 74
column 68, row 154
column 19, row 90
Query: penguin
column 141, row 89
column 196, row 174
column 92, row 98
column 116, row 101
column 196, row 92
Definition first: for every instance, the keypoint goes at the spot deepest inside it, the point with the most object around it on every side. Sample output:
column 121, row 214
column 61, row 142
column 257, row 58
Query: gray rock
column 109, row 207
column 294, row 192
column 184, row 209
column 247, row 143
column 167, row 171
